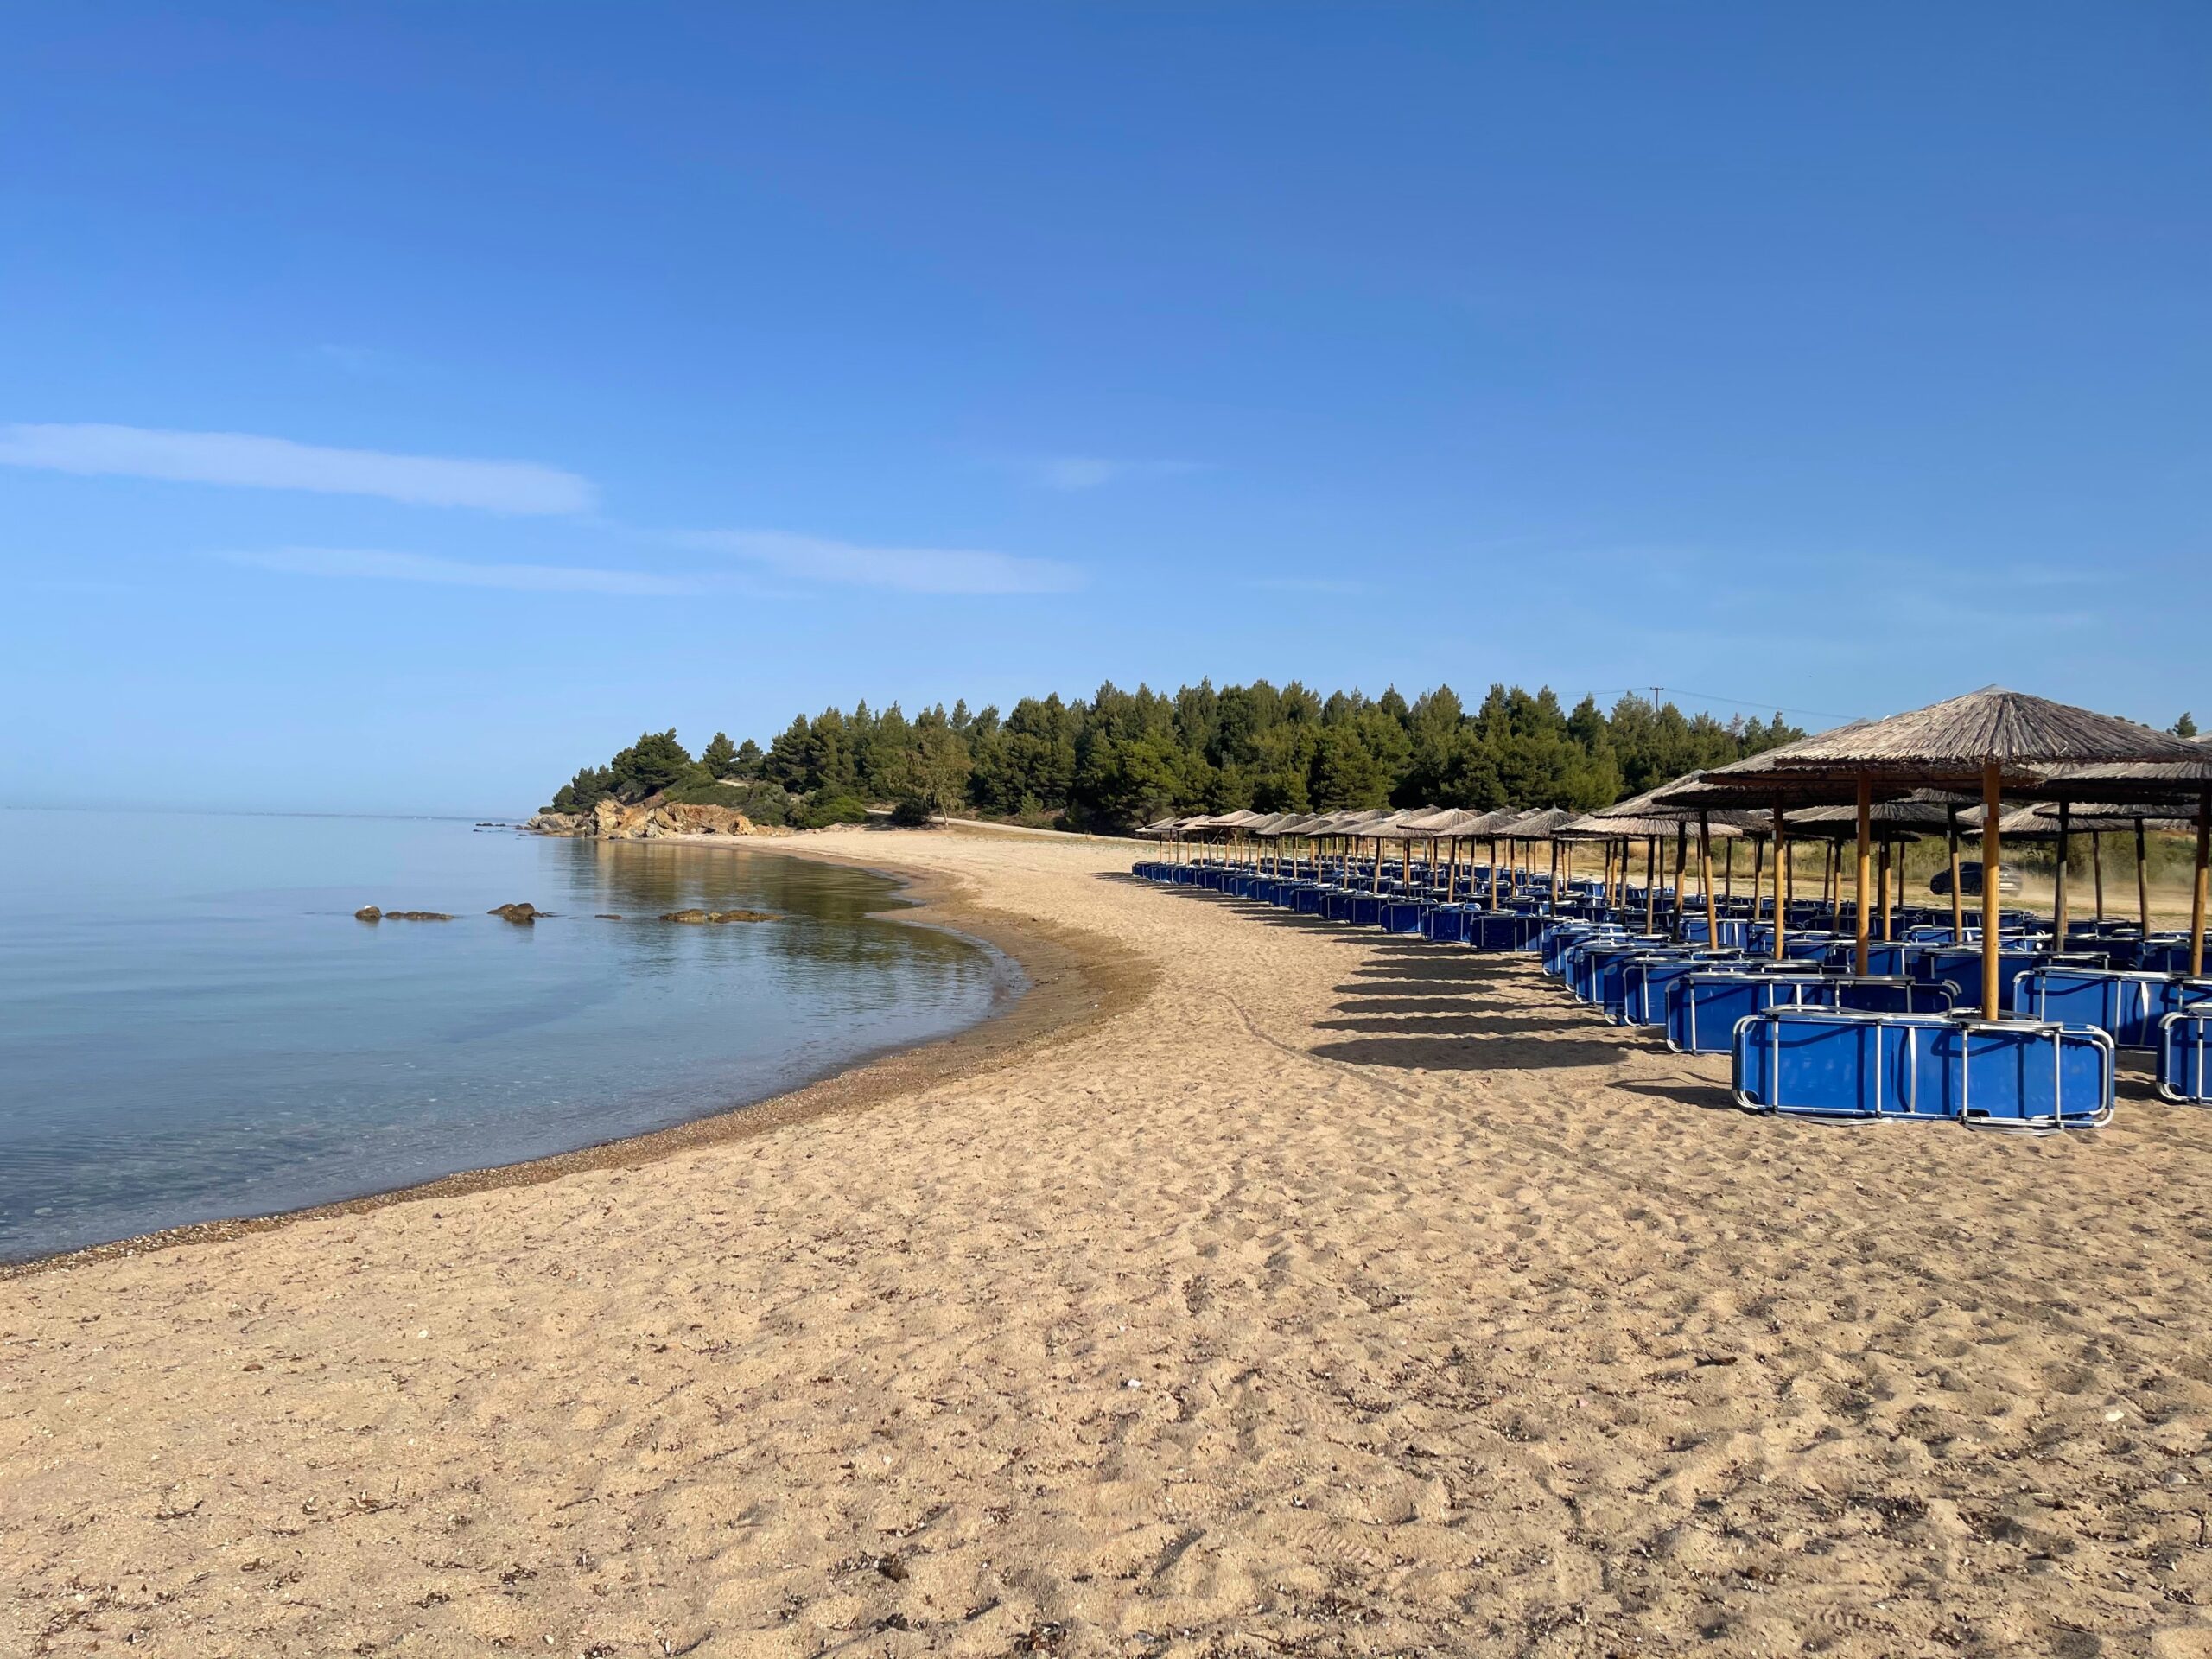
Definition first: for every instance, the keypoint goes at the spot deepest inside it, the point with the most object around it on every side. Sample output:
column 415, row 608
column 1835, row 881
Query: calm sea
column 193, row 1025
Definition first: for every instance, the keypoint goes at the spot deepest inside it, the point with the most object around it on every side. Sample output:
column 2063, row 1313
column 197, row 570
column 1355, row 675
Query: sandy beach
column 1261, row 1287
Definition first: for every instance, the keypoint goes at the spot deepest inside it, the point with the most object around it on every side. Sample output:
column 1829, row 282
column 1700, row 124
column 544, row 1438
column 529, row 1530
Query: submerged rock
column 417, row 916
column 683, row 916
column 524, row 912
column 717, row 916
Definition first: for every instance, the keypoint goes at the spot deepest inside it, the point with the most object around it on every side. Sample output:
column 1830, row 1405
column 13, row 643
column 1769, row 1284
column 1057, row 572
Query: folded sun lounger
column 2013, row 1073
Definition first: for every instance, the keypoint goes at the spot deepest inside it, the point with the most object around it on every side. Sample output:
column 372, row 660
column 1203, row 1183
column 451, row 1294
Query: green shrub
column 823, row 810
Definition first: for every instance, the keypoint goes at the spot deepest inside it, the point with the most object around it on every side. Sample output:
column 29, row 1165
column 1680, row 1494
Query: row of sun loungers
column 1808, row 1036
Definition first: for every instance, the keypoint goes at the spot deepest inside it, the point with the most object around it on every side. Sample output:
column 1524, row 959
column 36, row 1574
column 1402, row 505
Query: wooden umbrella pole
column 1728, row 873
column 1650, row 883
column 1958, row 901
column 1865, row 854
column 1758, row 874
column 2197, row 893
column 1705, row 880
column 2142, row 879
column 1789, row 872
column 2061, row 914
column 1681, row 872
column 1992, row 779
column 1781, row 864
column 2097, row 873
column 1376, row 886
column 1882, row 890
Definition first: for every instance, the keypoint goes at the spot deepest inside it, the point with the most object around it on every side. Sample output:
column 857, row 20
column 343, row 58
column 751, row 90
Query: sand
column 1315, row 1293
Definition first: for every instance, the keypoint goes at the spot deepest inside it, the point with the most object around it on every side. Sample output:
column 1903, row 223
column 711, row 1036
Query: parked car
column 2008, row 880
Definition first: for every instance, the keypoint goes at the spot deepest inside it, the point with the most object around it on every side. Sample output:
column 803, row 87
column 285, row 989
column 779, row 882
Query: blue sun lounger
column 1403, row 915
column 2128, row 1006
column 2011, row 1073
column 1447, row 923
column 2185, row 1055
column 1646, row 981
column 1590, row 964
column 1705, row 1006
column 1960, row 967
column 1884, row 994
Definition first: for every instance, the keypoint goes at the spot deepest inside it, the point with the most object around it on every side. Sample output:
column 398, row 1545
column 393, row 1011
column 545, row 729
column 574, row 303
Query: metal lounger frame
column 1931, row 1022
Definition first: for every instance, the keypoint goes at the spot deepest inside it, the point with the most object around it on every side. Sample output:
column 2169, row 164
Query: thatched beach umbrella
column 2185, row 787
column 1541, row 825
column 1485, row 826
column 1761, row 780
column 1641, row 818
column 1447, row 824
column 2099, row 818
column 1999, row 740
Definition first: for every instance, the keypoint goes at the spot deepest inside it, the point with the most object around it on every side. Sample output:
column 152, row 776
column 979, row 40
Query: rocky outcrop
column 518, row 913
column 368, row 914
column 560, row 823
column 650, row 820
column 717, row 916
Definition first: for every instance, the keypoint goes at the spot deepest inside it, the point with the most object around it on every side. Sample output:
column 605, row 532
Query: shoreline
column 1073, row 979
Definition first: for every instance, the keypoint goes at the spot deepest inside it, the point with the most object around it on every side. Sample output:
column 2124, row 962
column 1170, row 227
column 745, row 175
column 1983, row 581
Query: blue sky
column 401, row 406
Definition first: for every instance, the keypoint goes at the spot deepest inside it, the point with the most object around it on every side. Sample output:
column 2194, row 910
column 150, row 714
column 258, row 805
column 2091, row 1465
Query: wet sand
column 1313, row 1292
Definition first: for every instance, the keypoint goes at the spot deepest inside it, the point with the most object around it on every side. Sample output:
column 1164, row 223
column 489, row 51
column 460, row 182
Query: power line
column 1707, row 696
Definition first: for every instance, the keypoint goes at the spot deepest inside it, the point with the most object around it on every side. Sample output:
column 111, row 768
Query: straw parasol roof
column 1452, row 822
column 1950, row 742
column 1539, row 825
column 1760, row 779
column 2020, row 821
column 1925, row 812
column 1642, row 816
column 2088, row 816
column 1396, row 826
column 1652, row 813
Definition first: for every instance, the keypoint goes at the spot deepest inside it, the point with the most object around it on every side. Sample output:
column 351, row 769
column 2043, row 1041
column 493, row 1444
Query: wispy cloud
column 906, row 570
column 375, row 565
column 1093, row 472
column 280, row 464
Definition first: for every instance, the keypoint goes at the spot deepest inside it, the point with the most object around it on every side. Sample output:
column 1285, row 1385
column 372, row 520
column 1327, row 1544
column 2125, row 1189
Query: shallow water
column 192, row 1026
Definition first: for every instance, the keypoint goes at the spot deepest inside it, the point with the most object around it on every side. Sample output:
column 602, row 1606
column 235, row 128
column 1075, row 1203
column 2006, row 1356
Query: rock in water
column 683, row 916
column 417, row 916
column 524, row 912
column 368, row 914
